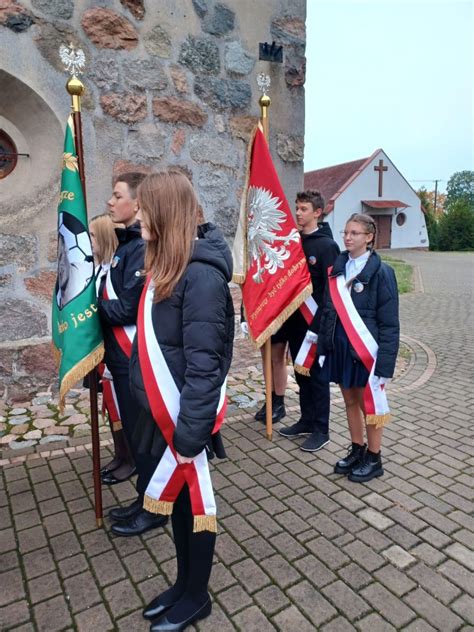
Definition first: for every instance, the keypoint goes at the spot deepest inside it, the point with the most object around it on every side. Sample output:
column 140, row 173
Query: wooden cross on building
column 381, row 168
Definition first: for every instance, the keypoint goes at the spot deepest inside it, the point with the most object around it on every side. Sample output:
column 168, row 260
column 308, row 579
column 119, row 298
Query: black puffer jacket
column 127, row 264
column 378, row 306
column 195, row 330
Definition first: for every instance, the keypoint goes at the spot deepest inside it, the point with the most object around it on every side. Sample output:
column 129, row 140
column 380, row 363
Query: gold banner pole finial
column 263, row 82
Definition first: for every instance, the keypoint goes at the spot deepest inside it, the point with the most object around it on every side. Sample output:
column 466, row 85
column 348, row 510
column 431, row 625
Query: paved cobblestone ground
column 299, row 548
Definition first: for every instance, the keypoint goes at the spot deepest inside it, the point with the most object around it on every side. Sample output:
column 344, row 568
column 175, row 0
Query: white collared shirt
column 355, row 266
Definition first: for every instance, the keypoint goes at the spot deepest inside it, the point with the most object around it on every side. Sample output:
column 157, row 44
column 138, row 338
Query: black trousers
column 314, row 392
column 145, row 463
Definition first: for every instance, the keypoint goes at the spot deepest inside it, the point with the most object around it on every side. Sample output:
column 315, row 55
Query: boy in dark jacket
column 321, row 251
column 119, row 296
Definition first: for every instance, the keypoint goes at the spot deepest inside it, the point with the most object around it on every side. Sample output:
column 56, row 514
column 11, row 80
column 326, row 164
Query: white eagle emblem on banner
column 264, row 222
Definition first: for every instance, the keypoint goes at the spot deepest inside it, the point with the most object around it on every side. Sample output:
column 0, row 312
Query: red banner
column 277, row 279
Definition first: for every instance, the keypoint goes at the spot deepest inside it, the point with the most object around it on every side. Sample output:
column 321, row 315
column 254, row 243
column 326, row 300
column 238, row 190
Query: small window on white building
column 8, row 155
column 401, row 219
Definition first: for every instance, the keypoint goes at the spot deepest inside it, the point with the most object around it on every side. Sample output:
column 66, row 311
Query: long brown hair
column 169, row 210
column 105, row 237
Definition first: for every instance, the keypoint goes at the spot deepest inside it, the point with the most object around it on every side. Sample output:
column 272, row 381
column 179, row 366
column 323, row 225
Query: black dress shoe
column 355, row 455
column 369, row 468
column 163, row 625
column 124, row 513
column 156, row 608
column 113, row 479
column 139, row 523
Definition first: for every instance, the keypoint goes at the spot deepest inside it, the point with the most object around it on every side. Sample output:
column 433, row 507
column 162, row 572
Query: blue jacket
column 378, row 306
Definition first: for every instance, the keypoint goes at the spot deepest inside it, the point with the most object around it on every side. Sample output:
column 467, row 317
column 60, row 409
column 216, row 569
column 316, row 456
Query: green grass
column 403, row 272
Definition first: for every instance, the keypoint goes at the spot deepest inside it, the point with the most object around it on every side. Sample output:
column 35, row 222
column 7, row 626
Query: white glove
column 311, row 337
column 380, row 381
column 244, row 327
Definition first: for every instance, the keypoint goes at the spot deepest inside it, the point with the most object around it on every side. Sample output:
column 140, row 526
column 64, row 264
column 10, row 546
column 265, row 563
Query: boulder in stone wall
column 52, row 248
column 175, row 110
column 201, row 55
column 126, row 108
column 146, row 142
column 42, row 284
column 179, row 79
column 124, row 166
column 201, row 8
column 136, row 8
column 15, row 16
column 158, row 42
column 216, row 151
column 237, row 60
column 19, row 250
column 107, row 29
column 38, row 362
column 7, row 362
column 105, row 74
column 214, row 186
column 220, row 21
column 5, row 280
column 242, row 126
column 147, row 74
column 177, row 143
column 288, row 29
column 290, row 148
column 226, row 218
column 295, row 69
column 49, row 37
column 24, row 320
column 223, row 94
column 62, row 9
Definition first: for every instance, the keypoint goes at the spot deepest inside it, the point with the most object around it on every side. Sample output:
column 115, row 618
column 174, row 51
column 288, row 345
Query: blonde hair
column 105, row 237
column 367, row 222
column 169, row 210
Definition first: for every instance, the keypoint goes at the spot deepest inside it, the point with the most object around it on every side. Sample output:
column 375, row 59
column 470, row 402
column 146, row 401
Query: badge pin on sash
column 358, row 287
column 115, row 261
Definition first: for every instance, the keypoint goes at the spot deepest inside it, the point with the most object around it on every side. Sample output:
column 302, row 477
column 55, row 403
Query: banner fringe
column 80, row 370
column 156, row 506
column 116, row 425
column 56, row 354
column 379, row 421
column 284, row 315
column 205, row 523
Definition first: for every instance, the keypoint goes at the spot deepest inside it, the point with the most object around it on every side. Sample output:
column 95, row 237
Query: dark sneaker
column 367, row 470
column 315, row 442
column 299, row 429
column 355, row 456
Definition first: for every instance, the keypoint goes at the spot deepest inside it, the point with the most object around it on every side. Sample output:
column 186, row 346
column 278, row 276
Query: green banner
column 77, row 336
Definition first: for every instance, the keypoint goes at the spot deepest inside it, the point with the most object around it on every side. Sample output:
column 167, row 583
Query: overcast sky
column 396, row 75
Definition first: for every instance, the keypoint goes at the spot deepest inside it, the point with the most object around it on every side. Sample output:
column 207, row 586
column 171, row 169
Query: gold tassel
column 116, row 425
column 285, row 314
column 379, row 421
column 205, row 523
column 56, row 354
column 157, row 506
column 78, row 371
column 302, row 370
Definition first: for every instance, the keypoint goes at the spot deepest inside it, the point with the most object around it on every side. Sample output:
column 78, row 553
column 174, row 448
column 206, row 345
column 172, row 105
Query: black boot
column 355, row 456
column 369, row 468
column 261, row 414
column 278, row 409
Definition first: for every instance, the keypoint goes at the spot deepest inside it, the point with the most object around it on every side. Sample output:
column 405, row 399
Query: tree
column 431, row 220
column 456, row 227
column 460, row 186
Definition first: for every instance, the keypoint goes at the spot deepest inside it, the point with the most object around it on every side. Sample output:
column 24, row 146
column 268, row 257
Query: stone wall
column 169, row 82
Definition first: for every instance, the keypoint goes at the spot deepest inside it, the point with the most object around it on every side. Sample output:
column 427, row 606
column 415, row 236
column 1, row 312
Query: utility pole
column 435, row 196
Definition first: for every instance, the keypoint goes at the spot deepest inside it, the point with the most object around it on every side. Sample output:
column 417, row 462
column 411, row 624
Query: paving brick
column 459, row 575
column 221, row 578
column 288, row 546
column 398, row 556
column 312, row 603
column 22, row 502
column 406, row 519
column 95, row 618
column 13, row 615
column 64, row 546
column 52, row 615
column 461, row 554
column 348, row 520
column 108, row 568
column 291, row 522
column 97, row 541
column 464, row 607
column 428, row 554
column 373, row 538
column 346, row 600
column 378, row 502
column 328, row 553
column 140, row 565
column 364, row 555
column 403, row 537
column 419, row 625
column 374, row 623
column 44, row 587
column 394, row 580
column 122, row 598
column 355, row 576
column 58, row 523
column 433, row 611
column 465, row 537
column 249, row 574
column 271, row 599
column 234, row 599
column 240, row 527
column 31, row 539
column 73, row 565
column 131, row 622
column 9, row 560
column 280, row 571
column 12, row 586
column 228, row 550
column 325, row 526
column 264, row 523
column 314, row 570
column 292, row 619
column 82, row 591
column 253, row 620
column 389, row 606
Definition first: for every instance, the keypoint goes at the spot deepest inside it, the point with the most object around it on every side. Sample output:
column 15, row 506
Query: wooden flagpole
column 75, row 88
column 264, row 103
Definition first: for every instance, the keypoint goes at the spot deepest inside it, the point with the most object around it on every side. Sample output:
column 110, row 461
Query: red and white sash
column 307, row 354
column 109, row 398
column 375, row 398
column 164, row 399
column 124, row 334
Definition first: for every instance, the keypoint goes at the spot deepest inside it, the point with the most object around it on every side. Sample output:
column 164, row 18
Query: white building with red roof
column 375, row 186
